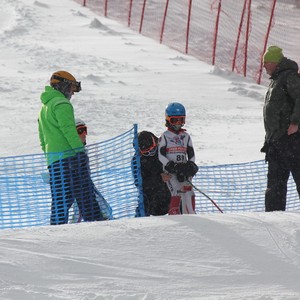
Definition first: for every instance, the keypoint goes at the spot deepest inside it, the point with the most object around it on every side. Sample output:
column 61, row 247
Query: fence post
column 142, row 16
column 247, row 38
column 238, row 37
column 105, row 8
column 266, row 41
column 141, row 207
column 188, row 28
column 164, row 22
column 129, row 13
column 84, row 3
column 216, row 33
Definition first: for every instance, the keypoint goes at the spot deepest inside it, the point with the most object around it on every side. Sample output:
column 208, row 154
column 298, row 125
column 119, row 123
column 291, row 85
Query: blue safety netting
column 237, row 188
column 25, row 196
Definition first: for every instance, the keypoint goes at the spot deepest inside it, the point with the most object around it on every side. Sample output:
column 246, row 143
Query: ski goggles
column 81, row 129
column 176, row 120
column 149, row 151
column 76, row 84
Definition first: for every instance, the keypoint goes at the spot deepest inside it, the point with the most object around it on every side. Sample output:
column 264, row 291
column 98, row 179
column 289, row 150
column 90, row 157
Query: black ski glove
column 171, row 167
column 191, row 169
column 265, row 147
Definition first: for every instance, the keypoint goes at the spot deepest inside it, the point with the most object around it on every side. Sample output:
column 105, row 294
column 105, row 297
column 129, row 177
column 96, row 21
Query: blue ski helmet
column 175, row 116
column 175, row 109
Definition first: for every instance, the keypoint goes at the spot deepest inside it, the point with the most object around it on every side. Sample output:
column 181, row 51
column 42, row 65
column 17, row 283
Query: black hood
column 285, row 65
column 146, row 140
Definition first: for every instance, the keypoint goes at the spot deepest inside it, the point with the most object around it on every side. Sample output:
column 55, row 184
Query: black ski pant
column 69, row 180
column 283, row 158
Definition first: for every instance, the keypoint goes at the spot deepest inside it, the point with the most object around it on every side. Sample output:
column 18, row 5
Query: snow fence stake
column 211, row 200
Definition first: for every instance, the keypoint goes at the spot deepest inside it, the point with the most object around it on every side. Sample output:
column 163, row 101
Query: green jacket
column 57, row 130
column 282, row 100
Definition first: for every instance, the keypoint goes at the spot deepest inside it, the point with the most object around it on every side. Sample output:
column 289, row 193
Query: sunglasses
column 178, row 120
column 75, row 84
column 81, row 129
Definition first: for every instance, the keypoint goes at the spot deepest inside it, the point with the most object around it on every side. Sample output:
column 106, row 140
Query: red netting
column 231, row 34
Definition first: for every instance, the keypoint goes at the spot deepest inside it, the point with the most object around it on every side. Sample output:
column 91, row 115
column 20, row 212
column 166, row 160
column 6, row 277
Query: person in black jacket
column 155, row 191
column 281, row 120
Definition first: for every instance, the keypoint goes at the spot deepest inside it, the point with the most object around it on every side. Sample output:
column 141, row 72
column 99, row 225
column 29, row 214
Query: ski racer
column 176, row 152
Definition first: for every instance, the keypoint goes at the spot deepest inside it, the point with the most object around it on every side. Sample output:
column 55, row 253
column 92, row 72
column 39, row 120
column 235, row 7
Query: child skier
column 177, row 155
column 155, row 191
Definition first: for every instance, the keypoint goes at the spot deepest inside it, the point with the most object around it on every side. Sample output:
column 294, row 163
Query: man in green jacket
column 281, row 120
column 64, row 150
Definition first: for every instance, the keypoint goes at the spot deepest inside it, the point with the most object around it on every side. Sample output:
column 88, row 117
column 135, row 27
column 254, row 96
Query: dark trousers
column 156, row 198
column 283, row 158
column 69, row 180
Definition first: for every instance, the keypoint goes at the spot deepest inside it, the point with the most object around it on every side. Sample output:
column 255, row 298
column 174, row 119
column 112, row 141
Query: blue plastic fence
column 25, row 197
column 237, row 188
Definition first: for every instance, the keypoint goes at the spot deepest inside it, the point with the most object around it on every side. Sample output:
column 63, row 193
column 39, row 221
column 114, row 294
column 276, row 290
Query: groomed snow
column 127, row 79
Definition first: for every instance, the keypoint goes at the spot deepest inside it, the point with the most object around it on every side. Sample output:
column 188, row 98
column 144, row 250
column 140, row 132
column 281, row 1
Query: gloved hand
column 265, row 147
column 171, row 167
column 191, row 169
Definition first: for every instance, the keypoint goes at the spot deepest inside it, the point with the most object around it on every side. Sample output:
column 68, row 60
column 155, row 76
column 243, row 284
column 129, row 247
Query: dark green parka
column 282, row 100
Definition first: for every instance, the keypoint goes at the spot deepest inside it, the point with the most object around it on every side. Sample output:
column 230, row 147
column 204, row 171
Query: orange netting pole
column 164, row 22
column 142, row 16
column 188, row 28
column 216, row 33
column 105, row 8
column 238, row 37
column 247, row 38
column 129, row 12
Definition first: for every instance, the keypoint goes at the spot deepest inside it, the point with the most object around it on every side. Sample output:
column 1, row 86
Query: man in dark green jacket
column 281, row 120
column 64, row 150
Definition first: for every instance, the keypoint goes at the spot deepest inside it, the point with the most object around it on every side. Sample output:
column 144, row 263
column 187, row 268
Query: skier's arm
column 293, row 90
column 190, row 150
column 162, row 151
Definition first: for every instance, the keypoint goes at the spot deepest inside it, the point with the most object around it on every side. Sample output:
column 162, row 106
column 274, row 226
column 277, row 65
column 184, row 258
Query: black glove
column 191, row 169
column 171, row 167
column 265, row 147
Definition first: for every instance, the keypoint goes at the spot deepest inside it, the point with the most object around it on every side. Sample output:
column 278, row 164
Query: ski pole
column 211, row 200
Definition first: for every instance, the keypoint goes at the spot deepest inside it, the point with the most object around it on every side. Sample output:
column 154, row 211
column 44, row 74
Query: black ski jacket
column 282, row 100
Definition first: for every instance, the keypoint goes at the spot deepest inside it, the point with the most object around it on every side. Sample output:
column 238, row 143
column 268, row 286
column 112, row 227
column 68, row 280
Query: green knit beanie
column 273, row 54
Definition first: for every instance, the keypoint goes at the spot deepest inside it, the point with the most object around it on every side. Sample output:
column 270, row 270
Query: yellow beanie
column 273, row 54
